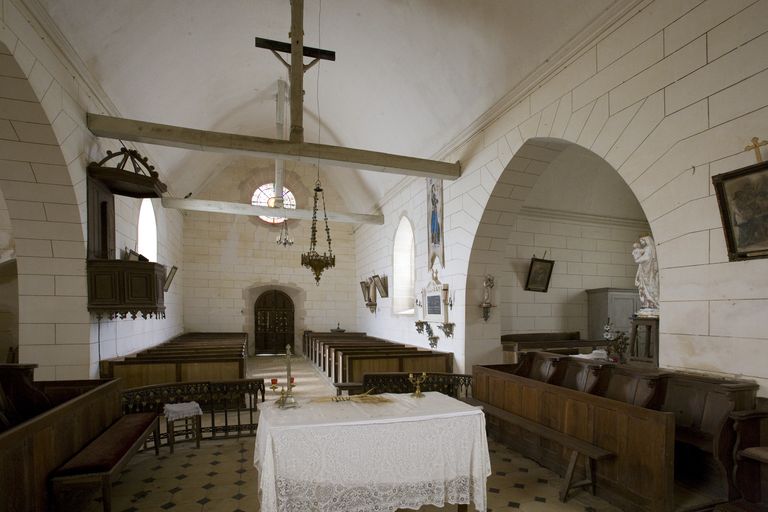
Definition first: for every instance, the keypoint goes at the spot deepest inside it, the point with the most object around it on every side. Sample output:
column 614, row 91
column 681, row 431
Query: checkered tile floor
column 220, row 477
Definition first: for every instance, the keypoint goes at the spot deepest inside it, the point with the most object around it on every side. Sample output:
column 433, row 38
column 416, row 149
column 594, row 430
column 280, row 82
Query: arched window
column 265, row 196
column 147, row 236
column 403, row 265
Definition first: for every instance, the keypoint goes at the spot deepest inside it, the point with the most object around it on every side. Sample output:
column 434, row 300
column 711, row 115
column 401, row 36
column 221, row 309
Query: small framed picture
column 539, row 274
column 169, row 278
column 742, row 196
column 433, row 306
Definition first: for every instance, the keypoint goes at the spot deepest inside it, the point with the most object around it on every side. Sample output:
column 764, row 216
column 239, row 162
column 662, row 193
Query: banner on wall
column 435, row 241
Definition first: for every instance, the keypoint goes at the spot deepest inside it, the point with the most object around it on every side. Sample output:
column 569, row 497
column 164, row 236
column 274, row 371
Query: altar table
column 350, row 457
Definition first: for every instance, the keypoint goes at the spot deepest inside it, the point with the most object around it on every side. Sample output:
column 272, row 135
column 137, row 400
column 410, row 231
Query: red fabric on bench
column 107, row 449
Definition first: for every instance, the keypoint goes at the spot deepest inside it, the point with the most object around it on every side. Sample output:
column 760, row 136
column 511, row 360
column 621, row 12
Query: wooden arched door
column 273, row 312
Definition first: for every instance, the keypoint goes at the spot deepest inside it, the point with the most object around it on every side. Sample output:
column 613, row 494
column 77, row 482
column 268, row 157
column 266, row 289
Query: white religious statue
column 647, row 277
column 487, row 285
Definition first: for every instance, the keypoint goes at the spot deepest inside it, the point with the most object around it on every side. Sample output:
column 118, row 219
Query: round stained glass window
column 265, row 196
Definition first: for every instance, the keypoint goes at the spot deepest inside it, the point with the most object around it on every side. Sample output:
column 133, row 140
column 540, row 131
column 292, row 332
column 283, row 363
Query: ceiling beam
column 201, row 140
column 201, row 205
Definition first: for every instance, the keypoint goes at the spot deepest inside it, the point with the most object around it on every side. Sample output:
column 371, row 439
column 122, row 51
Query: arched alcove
column 556, row 196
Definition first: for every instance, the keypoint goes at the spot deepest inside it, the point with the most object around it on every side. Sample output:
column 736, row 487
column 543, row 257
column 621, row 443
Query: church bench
column 455, row 385
column 643, row 387
column 591, row 452
column 104, row 458
column 188, row 357
column 355, row 366
column 324, row 347
column 585, row 375
column 638, row 476
column 315, row 340
column 327, row 349
column 339, row 367
column 537, row 365
column 306, row 338
column 514, row 345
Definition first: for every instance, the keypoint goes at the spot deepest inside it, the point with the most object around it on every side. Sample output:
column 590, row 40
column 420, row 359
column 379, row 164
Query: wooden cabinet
column 618, row 304
column 121, row 287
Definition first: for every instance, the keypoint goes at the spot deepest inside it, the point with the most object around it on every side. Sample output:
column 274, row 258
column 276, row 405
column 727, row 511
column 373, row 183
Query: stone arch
column 510, row 190
column 46, row 209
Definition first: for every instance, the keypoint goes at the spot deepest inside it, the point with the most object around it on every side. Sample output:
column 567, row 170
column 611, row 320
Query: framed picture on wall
column 539, row 274
column 435, row 231
column 742, row 196
column 432, row 303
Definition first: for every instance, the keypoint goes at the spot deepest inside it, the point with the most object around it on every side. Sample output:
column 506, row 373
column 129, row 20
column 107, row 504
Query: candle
column 274, row 382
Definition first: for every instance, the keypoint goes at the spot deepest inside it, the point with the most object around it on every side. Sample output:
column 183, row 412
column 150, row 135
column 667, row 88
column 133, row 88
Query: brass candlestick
column 417, row 381
column 286, row 399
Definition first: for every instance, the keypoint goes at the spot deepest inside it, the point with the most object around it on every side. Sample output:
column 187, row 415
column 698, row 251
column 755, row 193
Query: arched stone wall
column 46, row 211
column 667, row 115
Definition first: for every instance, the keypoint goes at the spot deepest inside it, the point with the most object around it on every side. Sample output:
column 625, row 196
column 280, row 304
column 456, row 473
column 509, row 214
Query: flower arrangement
column 618, row 342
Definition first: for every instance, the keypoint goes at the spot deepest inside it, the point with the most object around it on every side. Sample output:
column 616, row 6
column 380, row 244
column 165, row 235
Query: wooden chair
column 750, row 464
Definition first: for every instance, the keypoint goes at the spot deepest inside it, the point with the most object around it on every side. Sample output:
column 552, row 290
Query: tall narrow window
column 403, row 265
column 147, row 236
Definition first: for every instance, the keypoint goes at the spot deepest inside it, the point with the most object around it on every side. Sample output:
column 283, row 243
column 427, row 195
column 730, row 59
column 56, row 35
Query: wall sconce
column 370, row 287
column 486, row 305
column 447, row 328
column 369, row 294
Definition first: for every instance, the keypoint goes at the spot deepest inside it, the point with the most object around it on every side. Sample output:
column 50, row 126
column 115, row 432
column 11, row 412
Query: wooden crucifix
column 296, row 68
column 756, row 144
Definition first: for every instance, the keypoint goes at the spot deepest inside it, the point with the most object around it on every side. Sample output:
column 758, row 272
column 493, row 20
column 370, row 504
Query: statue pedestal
column 644, row 341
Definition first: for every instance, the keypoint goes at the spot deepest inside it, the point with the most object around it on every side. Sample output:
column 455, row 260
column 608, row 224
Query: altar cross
column 756, row 147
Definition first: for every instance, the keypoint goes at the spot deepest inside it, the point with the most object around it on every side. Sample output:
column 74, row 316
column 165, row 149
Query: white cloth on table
column 182, row 410
column 351, row 456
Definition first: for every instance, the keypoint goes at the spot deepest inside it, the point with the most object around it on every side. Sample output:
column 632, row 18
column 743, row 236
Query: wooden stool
column 183, row 411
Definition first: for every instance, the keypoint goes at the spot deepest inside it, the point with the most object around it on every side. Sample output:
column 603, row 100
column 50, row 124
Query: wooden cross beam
column 201, row 205
column 201, row 140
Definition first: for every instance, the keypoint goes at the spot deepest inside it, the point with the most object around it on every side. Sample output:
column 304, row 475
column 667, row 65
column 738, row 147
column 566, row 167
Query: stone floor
column 220, row 475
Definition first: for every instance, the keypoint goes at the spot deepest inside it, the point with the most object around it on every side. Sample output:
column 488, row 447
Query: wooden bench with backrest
column 643, row 387
column 101, row 461
column 539, row 366
column 590, row 452
column 323, row 347
column 313, row 340
column 188, row 357
column 702, row 406
column 355, row 366
column 341, row 367
column 565, row 343
column 585, row 375
column 456, row 385
column 306, row 339
column 628, row 451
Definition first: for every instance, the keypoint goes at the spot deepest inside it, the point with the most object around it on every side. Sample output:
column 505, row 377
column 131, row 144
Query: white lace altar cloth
column 182, row 410
column 358, row 457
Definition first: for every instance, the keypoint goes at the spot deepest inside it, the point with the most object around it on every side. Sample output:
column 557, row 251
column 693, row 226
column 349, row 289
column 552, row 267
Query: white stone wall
column 229, row 259
column 669, row 99
column 587, row 255
column 44, row 149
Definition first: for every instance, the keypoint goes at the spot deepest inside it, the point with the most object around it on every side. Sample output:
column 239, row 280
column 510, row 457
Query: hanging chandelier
column 311, row 259
column 284, row 238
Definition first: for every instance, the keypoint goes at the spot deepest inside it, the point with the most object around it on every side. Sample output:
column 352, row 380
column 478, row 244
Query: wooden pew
column 354, row 366
column 321, row 344
column 326, row 349
column 30, row 451
column 188, row 357
column 341, row 367
column 640, row 474
column 307, row 344
column 561, row 342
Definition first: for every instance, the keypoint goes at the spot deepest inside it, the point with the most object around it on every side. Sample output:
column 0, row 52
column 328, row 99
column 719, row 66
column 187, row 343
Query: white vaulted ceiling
column 409, row 75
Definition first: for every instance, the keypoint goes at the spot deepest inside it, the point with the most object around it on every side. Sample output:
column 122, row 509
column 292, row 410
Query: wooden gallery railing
column 229, row 407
